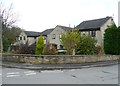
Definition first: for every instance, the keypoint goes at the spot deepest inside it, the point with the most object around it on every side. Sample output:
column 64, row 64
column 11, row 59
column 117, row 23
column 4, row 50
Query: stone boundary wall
column 57, row 59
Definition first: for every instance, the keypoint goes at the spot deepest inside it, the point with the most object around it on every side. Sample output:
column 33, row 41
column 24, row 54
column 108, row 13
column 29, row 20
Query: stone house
column 45, row 35
column 55, row 35
column 29, row 37
column 96, row 28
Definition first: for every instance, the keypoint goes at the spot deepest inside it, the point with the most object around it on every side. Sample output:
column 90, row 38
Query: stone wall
column 57, row 59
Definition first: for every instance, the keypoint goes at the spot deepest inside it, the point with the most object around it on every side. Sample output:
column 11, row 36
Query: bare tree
column 9, row 17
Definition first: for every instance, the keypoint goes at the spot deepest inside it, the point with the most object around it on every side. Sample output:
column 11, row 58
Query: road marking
column 12, row 75
column 30, row 74
column 29, row 71
column 52, row 71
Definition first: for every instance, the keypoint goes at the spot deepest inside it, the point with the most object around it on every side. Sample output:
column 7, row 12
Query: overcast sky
column 38, row 15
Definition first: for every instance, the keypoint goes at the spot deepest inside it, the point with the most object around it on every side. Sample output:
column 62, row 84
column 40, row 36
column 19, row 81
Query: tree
column 86, row 45
column 40, row 46
column 9, row 17
column 10, row 37
column 6, row 43
column 69, row 40
column 12, row 33
column 112, row 40
column 9, row 31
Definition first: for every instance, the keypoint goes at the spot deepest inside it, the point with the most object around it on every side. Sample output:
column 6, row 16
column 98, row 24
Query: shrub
column 25, row 49
column 69, row 41
column 40, row 46
column 86, row 45
column 98, row 49
column 112, row 40
column 50, row 49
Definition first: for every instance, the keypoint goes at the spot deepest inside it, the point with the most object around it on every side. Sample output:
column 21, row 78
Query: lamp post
column 1, row 45
column 119, row 13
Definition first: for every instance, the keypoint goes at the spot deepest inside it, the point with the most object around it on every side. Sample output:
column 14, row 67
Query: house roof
column 92, row 24
column 32, row 33
column 46, row 32
column 64, row 27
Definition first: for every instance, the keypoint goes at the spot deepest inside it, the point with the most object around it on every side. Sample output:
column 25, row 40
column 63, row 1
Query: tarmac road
column 94, row 75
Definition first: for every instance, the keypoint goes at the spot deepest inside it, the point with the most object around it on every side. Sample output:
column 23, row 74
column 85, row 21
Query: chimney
column 74, row 26
column 69, row 25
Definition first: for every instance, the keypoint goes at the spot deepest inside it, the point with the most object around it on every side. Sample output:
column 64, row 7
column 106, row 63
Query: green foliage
column 8, row 31
column 9, row 36
column 40, row 46
column 86, row 45
column 6, row 43
column 50, row 49
column 112, row 40
column 70, row 39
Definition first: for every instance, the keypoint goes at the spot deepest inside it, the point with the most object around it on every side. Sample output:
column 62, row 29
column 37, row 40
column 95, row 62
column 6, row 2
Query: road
column 94, row 75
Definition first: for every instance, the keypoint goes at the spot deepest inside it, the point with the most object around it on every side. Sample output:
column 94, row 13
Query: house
column 96, row 28
column 45, row 35
column 55, row 35
column 29, row 37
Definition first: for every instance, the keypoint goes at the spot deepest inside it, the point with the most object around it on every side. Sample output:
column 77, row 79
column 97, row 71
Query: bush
column 112, row 40
column 50, row 49
column 98, row 49
column 86, row 45
column 40, row 46
column 25, row 49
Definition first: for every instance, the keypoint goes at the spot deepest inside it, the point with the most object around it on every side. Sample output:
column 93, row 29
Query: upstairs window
column 20, row 38
column 93, row 33
column 53, row 36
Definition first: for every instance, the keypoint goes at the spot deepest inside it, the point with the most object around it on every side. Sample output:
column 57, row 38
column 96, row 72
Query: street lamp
column 1, row 45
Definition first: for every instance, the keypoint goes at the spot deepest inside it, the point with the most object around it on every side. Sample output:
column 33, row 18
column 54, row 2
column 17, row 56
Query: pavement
column 56, row 66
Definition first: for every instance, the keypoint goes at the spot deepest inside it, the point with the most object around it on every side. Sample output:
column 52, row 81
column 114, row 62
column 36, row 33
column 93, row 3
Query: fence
column 57, row 59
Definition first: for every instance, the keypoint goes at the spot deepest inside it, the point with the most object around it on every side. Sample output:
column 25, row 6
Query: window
column 61, row 46
column 89, row 33
column 20, row 38
column 24, row 38
column 93, row 33
column 53, row 36
column 45, row 37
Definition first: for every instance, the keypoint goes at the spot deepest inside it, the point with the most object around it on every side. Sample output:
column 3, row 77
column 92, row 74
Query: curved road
column 94, row 75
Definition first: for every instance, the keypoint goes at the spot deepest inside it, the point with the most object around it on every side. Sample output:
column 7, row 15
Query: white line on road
column 30, row 74
column 12, row 75
column 29, row 71
column 52, row 71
